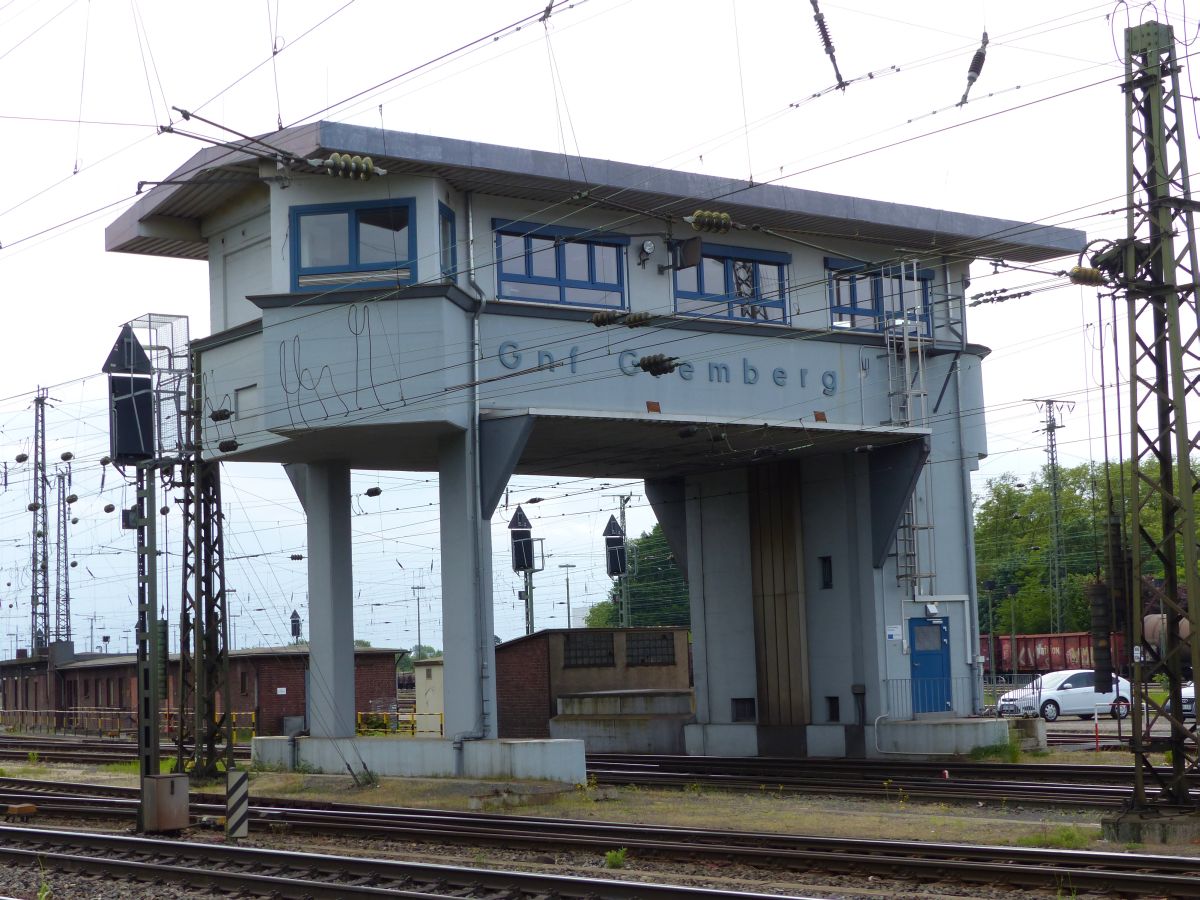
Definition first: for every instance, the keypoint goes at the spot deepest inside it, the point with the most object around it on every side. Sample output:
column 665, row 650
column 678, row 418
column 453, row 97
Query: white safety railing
column 907, row 698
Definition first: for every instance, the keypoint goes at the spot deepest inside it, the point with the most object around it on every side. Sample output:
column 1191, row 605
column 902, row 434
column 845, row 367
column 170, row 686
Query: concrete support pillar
column 719, row 585
column 324, row 491
column 467, row 632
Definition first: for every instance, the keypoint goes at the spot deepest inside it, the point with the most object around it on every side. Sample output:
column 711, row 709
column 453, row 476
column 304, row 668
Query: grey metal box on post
column 165, row 803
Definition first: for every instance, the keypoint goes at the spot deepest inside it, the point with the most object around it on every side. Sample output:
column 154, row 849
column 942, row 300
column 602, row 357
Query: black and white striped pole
column 237, row 804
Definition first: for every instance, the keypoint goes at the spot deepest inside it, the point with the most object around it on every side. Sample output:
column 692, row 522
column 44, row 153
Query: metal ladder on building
column 905, row 341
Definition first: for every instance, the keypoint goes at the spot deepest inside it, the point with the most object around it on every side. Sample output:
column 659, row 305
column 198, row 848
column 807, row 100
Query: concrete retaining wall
column 553, row 760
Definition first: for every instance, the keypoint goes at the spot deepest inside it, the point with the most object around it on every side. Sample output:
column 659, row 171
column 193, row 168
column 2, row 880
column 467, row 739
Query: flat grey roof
column 165, row 222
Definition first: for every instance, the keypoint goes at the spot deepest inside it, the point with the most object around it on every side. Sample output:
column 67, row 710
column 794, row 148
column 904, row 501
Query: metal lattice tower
column 62, row 581
column 204, row 741
column 1057, row 573
column 39, row 600
column 1156, row 268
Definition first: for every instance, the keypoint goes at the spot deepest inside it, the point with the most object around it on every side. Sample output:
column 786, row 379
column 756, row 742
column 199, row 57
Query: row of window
column 360, row 244
column 584, row 649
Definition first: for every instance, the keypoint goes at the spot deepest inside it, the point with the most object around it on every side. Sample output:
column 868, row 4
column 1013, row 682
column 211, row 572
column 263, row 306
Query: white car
column 1188, row 697
column 1067, row 693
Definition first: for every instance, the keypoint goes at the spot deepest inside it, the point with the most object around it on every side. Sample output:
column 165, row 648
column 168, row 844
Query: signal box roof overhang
column 167, row 220
column 574, row 443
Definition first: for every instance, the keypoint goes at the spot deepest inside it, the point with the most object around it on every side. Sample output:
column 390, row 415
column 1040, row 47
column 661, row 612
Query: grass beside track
column 895, row 816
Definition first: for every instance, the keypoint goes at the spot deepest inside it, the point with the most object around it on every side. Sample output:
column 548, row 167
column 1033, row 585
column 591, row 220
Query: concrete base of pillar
column 938, row 737
column 1031, row 733
column 553, row 760
column 721, row 740
column 1151, row 828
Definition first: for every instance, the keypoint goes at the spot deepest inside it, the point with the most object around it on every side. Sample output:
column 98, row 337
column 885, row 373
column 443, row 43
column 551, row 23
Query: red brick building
column 533, row 671
column 269, row 682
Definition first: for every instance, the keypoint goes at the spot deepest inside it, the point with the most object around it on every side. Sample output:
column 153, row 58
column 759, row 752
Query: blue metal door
column 929, row 656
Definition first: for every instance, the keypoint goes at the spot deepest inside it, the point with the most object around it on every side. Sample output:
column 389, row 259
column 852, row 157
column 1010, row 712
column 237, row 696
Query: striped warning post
column 237, row 804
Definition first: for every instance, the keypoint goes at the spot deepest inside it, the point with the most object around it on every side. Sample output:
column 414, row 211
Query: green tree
column 658, row 594
column 424, row 651
column 602, row 615
column 1013, row 540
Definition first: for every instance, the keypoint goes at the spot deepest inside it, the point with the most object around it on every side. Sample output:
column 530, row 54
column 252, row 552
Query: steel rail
column 275, row 872
column 1058, row 869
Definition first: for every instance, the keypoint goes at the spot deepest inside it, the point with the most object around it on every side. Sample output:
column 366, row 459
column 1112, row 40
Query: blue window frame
column 353, row 244
column 447, row 242
column 907, row 298
column 862, row 298
column 854, row 295
column 735, row 283
column 552, row 264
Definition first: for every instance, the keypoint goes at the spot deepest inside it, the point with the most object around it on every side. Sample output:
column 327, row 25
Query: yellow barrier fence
column 399, row 724
column 98, row 720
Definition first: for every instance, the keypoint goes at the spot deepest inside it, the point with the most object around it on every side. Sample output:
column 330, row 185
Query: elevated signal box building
column 789, row 371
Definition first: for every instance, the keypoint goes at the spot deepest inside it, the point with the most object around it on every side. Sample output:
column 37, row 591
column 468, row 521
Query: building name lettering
column 512, row 357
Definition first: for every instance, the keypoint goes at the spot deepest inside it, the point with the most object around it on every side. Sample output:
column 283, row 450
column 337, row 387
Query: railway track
column 1057, row 870
column 1085, row 785
column 82, row 750
column 283, row 873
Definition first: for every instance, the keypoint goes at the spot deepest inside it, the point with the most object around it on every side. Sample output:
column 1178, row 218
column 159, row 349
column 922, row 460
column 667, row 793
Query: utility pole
column 416, row 589
column 568, row 567
column 1052, row 408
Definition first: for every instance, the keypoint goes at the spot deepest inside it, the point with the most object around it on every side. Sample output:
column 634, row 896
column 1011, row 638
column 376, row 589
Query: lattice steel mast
column 39, row 601
column 1057, row 569
column 1155, row 266
column 204, row 721
column 62, row 581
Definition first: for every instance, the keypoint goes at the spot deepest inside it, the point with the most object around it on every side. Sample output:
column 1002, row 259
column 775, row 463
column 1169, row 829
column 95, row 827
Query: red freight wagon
column 1038, row 653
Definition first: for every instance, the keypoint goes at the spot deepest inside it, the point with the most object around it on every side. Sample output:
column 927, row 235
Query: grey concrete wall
column 719, row 586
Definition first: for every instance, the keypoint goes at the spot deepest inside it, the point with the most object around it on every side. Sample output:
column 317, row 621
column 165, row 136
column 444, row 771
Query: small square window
column 428, row 674
column 588, row 650
column 826, row 572
column 833, row 709
column 743, row 709
column 644, row 648
column 245, row 682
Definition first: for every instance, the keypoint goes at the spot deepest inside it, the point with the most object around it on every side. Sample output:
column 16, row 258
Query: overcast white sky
column 726, row 87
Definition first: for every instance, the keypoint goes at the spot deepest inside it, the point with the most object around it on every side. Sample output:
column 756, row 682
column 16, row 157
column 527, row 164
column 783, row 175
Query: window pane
column 770, row 283
column 592, row 298
column 864, row 296
column 512, row 254
column 607, row 261
column 686, row 279
column 520, row 291
column 927, row 637
column 712, row 276
column 575, row 261
column 743, row 279
column 701, row 307
column 447, row 244
column 383, row 234
column 324, row 240
column 541, row 258
column 751, row 309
